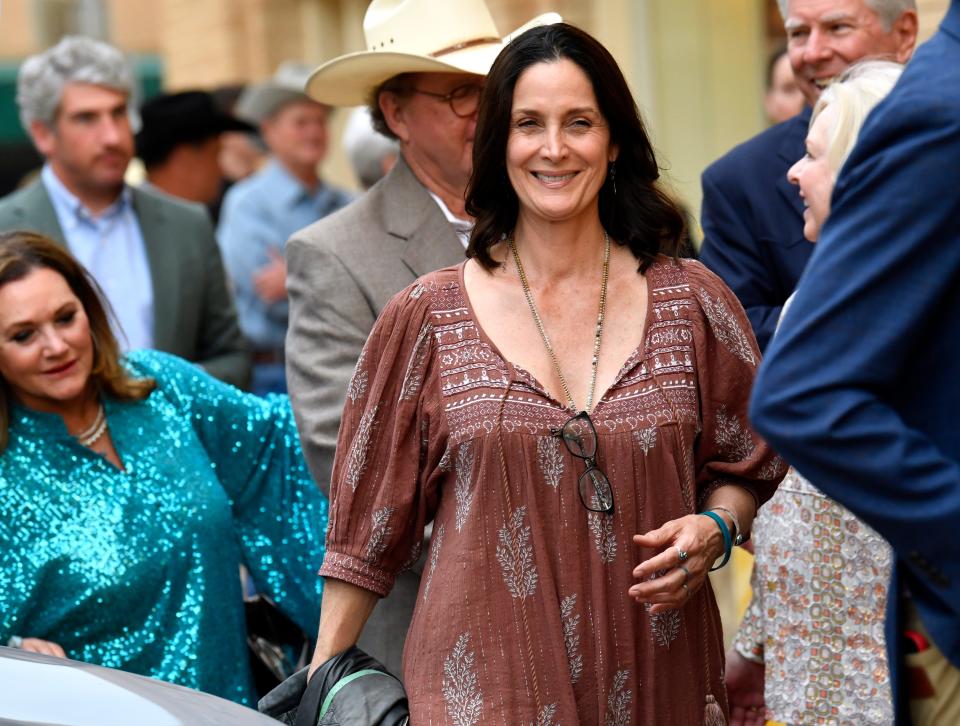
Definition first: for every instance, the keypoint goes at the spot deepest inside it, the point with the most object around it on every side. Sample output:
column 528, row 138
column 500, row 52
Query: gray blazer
column 194, row 315
column 341, row 272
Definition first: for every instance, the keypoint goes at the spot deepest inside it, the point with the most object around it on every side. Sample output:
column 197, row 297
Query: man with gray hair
column 156, row 259
column 752, row 217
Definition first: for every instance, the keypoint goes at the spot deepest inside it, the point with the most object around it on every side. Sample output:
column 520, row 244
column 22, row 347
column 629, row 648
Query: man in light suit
column 422, row 79
column 859, row 389
column 752, row 216
column 155, row 258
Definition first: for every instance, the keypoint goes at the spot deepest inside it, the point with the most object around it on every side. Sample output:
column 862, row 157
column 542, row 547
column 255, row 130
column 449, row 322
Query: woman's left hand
column 686, row 550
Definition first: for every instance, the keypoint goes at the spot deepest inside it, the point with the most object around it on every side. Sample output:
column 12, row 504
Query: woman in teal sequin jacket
column 131, row 489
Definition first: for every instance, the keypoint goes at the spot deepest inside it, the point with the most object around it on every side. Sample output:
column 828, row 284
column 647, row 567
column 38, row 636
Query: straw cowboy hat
column 261, row 100
column 414, row 36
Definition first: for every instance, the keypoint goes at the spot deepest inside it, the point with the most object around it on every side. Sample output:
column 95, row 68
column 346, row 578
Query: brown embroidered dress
column 523, row 615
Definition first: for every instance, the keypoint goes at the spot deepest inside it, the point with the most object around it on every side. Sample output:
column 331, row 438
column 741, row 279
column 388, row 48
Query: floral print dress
column 523, row 615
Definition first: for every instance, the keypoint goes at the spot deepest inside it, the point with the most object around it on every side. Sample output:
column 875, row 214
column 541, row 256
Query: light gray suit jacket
column 341, row 272
column 194, row 315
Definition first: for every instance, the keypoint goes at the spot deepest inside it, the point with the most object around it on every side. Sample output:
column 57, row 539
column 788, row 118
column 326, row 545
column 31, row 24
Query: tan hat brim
column 349, row 79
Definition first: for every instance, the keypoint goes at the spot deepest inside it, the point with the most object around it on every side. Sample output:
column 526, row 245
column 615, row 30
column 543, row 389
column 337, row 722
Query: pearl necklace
column 91, row 435
column 598, row 330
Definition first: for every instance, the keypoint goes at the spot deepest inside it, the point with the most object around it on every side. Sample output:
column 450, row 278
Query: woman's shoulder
column 164, row 368
column 425, row 297
column 707, row 303
column 673, row 278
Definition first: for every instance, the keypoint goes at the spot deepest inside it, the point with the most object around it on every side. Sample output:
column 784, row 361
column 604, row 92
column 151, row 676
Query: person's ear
column 392, row 107
column 44, row 137
column 904, row 30
column 614, row 153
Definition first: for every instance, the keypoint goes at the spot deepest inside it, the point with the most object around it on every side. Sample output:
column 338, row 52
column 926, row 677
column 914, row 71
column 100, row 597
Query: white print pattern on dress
column 435, row 546
column 733, row 441
column 413, row 378
column 515, row 555
column 647, row 438
column 618, row 701
column 571, row 636
column 379, row 534
column 446, row 461
column 665, row 627
column 727, row 329
column 772, row 469
column 551, row 460
column 462, row 489
column 604, row 540
column 546, row 716
column 460, row 688
column 357, row 461
column 358, row 381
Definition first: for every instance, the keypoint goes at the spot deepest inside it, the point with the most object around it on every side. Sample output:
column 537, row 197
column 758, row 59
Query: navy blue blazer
column 752, row 220
column 859, row 388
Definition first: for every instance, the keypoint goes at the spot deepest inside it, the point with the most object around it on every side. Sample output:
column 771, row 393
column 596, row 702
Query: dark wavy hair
column 639, row 214
column 23, row 252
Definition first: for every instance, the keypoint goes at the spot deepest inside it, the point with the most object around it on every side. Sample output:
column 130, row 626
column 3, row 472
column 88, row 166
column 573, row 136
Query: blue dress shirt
column 110, row 245
column 259, row 215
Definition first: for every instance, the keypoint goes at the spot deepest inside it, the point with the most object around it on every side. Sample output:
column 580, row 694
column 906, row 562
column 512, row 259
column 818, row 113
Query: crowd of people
column 487, row 420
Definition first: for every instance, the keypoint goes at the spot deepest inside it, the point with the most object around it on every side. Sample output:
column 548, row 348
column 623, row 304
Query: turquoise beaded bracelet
column 727, row 540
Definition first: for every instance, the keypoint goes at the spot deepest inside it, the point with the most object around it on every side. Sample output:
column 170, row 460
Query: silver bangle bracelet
column 738, row 537
column 15, row 641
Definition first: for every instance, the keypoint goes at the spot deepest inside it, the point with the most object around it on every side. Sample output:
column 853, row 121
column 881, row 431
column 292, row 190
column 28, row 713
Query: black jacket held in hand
column 350, row 689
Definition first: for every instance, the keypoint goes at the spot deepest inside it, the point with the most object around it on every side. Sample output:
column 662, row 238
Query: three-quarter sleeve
column 728, row 451
column 379, row 496
column 279, row 515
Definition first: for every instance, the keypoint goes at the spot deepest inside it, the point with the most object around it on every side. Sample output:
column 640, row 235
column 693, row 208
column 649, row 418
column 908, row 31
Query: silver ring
column 686, row 574
column 15, row 641
column 682, row 554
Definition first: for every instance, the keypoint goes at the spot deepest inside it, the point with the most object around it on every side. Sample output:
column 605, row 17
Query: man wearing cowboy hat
column 179, row 144
column 421, row 75
column 262, row 211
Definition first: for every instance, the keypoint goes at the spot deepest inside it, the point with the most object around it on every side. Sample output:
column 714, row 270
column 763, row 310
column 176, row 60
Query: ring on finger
column 686, row 574
column 682, row 554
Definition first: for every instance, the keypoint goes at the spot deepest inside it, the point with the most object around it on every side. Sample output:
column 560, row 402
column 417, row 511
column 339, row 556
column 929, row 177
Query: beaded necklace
column 89, row 436
column 598, row 331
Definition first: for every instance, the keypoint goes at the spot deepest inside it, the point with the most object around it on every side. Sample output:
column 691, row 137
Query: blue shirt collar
column 288, row 188
column 69, row 206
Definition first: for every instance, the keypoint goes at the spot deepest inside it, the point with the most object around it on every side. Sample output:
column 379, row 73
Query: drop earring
column 613, row 176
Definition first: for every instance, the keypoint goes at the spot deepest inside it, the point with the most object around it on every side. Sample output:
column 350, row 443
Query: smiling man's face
column 825, row 37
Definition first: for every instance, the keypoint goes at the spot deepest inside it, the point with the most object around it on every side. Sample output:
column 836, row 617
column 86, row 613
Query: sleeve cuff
column 357, row 572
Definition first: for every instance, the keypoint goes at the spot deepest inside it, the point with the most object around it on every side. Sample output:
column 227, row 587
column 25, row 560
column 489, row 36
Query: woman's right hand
column 744, row 680
column 36, row 645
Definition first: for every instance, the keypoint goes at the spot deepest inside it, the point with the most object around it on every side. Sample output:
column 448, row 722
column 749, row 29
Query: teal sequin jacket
column 138, row 569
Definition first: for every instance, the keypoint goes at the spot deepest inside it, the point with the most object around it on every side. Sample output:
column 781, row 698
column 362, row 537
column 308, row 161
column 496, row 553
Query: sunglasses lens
column 595, row 491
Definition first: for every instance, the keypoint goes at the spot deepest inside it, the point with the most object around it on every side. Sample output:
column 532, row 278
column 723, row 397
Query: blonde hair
column 861, row 87
column 23, row 252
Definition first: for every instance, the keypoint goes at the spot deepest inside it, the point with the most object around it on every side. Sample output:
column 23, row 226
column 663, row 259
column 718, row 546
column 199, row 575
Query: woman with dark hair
column 561, row 406
column 131, row 490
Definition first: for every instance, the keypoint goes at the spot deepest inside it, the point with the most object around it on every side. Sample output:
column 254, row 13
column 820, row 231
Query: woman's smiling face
column 559, row 149
column 46, row 350
column 814, row 175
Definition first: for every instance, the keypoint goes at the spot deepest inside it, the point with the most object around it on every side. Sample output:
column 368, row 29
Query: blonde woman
column 811, row 648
